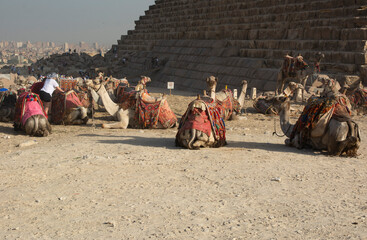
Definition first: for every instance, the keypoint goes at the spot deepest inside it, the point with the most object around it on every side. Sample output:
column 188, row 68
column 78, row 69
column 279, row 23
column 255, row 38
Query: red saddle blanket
column 359, row 98
column 316, row 108
column 149, row 114
column 199, row 120
column 28, row 104
column 229, row 103
column 62, row 104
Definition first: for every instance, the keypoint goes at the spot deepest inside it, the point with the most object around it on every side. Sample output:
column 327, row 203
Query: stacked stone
column 237, row 40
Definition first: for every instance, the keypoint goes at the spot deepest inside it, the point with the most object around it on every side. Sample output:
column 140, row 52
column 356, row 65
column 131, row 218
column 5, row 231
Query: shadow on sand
column 271, row 147
column 162, row 142
column 169, row 143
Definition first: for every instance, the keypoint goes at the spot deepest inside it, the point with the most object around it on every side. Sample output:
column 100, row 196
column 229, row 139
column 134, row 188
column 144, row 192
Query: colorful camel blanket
column 28, row 104
column 68, row 84
column 83, row 98
column 62, row 104
column 149, row 114
column 229, row 103
column 359, row 98
column 291, row 65
column 316, row 108
column 126, row 97
column 214, row 114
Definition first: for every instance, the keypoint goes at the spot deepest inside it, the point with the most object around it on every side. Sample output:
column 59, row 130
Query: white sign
column 170, row 85
column 235, row 93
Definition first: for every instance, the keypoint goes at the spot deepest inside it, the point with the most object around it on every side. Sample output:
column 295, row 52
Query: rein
column 275, row 130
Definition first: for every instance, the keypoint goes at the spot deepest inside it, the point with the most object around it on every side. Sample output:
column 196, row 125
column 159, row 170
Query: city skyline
column 69, row 21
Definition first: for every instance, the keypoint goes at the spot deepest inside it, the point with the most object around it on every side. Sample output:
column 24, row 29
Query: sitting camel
column 226, row 99
column 67, row 109
column 30, row 115
column 202, row 125
column 8, row 100
column 265, row 104
column 325, row 124
column 139, row 110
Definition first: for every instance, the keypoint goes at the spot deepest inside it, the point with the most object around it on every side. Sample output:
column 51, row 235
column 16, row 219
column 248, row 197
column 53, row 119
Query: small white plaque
column 170, row 85
column 235, row 93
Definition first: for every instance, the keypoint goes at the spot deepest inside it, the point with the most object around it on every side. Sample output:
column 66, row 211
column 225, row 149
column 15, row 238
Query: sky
column 73, row 21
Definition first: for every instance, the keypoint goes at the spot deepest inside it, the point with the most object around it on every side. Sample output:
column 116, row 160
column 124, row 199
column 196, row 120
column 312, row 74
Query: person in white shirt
column 48, row 88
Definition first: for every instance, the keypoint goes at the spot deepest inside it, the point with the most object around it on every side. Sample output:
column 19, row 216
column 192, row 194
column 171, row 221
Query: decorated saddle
column 62, row 104
column 359, row 98
column 209, row 120
column 265, row 106
column 149, row 113
column 28, row 104
column 318, row 107
column 68, row 84
column 293, row 64
column 229, row 103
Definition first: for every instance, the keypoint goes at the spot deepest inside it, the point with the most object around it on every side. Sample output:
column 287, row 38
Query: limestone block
column 361, row 58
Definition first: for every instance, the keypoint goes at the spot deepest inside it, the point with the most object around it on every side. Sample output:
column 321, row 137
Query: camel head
column 93, row 84
column 211, row 82
column 300, row 63
column 319, row 56
column 144, row 80
column 282, row 104
column 100, row 75
column 331, row 86
column 292, row 86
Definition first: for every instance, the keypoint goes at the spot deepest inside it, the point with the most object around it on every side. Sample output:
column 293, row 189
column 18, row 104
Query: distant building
column 95, row 46
column 28, row 44
column 19, row 44
column 66, row 47
column 83, row 45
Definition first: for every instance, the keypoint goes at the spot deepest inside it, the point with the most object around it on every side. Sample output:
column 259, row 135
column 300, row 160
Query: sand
column 85, row 182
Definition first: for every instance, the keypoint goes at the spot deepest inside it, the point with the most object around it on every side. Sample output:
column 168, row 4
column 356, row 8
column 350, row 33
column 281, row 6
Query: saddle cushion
column 214, row 113
column 62, row 104
column 28, row 104
column 149, row 114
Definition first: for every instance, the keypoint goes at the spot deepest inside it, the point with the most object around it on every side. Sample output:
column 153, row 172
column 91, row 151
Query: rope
column 275, row 130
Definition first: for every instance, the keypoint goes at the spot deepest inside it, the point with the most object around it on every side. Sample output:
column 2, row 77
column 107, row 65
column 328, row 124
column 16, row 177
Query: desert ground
column 85, row 182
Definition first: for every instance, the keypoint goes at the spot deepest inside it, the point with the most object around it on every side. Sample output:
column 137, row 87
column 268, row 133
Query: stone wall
column 237, row 40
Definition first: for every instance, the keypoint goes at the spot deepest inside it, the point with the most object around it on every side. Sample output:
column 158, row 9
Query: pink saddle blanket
column 31, row 108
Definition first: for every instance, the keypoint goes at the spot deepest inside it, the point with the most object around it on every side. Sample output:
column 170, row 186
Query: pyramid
column 239, row 40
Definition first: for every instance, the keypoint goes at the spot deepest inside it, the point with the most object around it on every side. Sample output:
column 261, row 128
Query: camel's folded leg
column 122, row 118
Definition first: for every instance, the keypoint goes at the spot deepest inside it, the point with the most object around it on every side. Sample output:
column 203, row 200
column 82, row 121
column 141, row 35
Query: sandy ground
column 83, row 182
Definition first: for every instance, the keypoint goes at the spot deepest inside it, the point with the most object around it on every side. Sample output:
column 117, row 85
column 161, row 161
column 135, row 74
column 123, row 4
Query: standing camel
column 296, row 69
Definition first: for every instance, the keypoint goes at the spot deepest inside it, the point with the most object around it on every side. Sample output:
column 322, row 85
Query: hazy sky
column 102, row 21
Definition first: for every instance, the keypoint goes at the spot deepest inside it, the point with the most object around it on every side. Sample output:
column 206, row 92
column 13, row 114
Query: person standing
column 48, row 88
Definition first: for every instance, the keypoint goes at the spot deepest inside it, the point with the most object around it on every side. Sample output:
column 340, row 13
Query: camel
column 202, row 125
column 8, row 100
column 331, row 128
column 30, row 116
column 296, row 68
column 265, row 104
column 67, row 109
column 131, row 112
column 226, row 99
